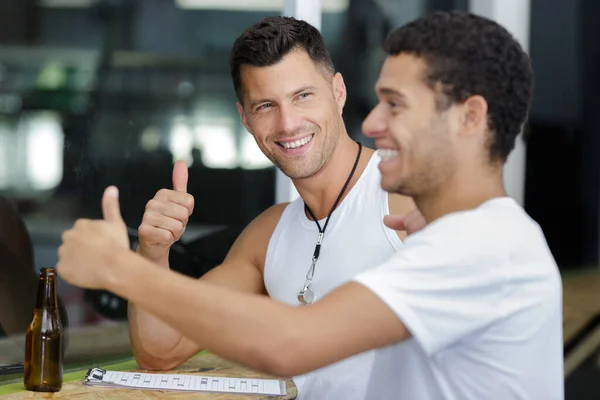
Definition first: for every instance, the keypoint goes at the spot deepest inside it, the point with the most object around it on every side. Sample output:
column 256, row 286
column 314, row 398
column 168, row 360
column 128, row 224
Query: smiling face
column 294, row 111
column 415, row 138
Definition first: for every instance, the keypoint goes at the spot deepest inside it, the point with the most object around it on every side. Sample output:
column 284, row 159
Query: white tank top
column 355, row 240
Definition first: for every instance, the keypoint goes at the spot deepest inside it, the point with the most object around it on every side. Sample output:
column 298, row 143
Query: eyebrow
column 295, row 93
column 304, row 89
column 390, row 92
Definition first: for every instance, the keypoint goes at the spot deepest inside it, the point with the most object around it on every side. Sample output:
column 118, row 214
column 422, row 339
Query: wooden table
column 203, row 364
column 581, row 308
column 581, row 301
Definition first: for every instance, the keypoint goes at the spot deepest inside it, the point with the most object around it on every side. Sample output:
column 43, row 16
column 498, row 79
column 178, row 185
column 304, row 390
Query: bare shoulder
column 272, row 214
column 265, row 222
column 243, row 267
column 253, row 241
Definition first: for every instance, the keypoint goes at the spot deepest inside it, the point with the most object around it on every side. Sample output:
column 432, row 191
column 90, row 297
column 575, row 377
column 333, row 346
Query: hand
column 411, row 222
column 166, row 217
column 88, row 250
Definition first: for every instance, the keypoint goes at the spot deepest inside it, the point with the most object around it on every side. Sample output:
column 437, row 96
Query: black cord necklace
column 306, row 295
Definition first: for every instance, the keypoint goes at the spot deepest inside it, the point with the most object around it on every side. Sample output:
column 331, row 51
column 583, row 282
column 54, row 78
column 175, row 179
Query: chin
column 393, row 187
column 297, row 172
column 389, row 188
column 302, row 169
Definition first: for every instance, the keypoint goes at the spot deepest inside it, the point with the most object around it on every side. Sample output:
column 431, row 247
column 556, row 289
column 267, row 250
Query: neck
column 320, row 191
column 460, row 195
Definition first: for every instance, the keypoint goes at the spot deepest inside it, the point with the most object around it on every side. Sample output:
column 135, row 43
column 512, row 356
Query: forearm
column 152, row 340
column 225, row 321
column 155, row 344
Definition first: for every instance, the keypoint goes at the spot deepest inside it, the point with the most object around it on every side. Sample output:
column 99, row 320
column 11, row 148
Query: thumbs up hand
column 166, row 217
column 85, row 254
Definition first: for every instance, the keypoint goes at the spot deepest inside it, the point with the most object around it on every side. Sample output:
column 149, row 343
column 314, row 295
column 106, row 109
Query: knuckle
column 151, row 204
column 182, row 215
column 144, row 229
column 162, row 193
column 67, row 235
column 184, row 222
column 166, row 236
column 148, row 217
column 180, row 227
column 189, row 201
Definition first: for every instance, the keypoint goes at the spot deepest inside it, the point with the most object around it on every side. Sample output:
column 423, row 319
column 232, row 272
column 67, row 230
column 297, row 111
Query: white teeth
column 297, row 143
column 387, row 154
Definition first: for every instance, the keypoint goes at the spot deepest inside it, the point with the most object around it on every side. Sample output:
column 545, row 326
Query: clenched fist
column 166, row 217
column 87, row 255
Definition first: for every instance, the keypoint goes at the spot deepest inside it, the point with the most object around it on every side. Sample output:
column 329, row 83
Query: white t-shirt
column 481, row 294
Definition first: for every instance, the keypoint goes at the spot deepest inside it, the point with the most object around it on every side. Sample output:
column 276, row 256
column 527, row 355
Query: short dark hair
column 467, row 55
column 270, row 39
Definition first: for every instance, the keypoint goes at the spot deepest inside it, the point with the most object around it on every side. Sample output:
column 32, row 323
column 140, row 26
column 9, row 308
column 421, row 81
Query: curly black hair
column 468, row 55
column 266, row 42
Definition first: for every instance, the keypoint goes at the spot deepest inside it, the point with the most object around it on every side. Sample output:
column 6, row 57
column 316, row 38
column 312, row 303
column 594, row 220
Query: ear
column 339, row 91
column 240, row 109
column 474, row 115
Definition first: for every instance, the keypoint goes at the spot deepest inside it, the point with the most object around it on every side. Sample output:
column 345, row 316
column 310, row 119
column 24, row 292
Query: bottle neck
column 47, row 289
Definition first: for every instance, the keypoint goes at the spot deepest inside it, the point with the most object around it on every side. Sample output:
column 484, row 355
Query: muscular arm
column 157, row 345
column 255, row 330
column 247, row 328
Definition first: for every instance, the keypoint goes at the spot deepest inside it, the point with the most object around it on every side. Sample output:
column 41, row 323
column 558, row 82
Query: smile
column 388, row 154
column 296, row 143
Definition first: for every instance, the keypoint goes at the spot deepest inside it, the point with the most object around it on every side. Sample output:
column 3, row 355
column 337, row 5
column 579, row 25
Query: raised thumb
column 180, row 176
column 111, row 209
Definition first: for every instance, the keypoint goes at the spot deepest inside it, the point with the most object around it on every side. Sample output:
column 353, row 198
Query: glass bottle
column 44, row 339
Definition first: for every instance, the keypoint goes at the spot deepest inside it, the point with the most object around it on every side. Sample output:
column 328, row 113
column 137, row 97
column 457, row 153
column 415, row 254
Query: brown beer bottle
column 44, row 339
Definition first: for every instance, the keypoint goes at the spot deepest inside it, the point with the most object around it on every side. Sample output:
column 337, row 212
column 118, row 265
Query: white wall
column 514, row 15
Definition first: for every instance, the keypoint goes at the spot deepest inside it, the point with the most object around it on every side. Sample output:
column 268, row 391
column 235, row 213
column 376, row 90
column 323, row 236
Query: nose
column 290, row 119
column 375, row 125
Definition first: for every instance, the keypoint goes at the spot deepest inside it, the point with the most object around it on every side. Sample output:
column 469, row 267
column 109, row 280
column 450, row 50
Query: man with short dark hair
column 469, row 309
column 291, row 99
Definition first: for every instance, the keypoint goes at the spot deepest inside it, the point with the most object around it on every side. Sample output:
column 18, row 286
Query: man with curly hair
column 469, row 309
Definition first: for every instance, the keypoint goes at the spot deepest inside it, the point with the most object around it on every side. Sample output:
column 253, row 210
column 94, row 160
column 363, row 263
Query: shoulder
column 252, row 243
column 273, row 213
column 264, row 224
column 493, row 230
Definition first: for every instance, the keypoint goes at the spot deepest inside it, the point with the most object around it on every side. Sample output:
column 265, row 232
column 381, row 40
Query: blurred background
column 99, row 92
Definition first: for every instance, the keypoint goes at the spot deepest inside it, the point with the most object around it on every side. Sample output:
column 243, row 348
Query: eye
column 304, row 95
column 263, row 106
